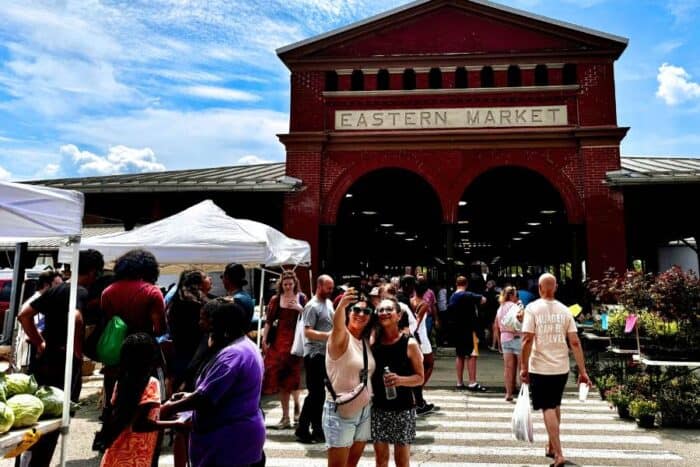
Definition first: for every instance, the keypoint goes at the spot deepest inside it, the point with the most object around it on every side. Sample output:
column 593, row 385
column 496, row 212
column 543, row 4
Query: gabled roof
column 259, row 177
column 641, row 170
column 380, row 19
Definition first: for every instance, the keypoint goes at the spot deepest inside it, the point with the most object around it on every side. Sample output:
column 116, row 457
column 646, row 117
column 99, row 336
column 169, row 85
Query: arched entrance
column 513, row 220
column 389, row 219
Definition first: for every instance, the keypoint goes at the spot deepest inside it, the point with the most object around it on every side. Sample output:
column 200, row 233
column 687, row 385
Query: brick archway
column 353, row 173
column 562, row 184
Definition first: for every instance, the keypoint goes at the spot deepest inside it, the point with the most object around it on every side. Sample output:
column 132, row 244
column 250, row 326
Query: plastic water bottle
column 390, row 391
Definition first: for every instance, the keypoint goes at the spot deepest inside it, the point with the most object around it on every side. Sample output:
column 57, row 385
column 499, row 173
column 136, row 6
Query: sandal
column 476, row 387
column 283, row 424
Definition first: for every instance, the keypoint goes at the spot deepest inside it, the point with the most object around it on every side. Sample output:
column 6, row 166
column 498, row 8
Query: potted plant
column 644, row 411
column 620, row 398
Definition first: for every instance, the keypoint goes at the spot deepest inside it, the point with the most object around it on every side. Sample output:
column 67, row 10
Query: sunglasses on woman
column 386, row 309
column 359, row 309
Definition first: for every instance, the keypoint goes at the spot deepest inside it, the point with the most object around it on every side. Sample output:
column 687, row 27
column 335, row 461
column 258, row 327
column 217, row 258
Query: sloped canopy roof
column 30, row 212
column 501, row 20
column 655, row 170
column 204, row 234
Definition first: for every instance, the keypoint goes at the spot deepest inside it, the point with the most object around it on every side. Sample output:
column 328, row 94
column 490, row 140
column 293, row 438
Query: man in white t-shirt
column 547, row 326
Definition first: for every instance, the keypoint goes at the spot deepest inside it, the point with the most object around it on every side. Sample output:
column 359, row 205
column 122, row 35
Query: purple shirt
column 234, row 424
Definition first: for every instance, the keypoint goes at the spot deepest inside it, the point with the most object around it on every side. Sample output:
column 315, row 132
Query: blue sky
column 99, row 87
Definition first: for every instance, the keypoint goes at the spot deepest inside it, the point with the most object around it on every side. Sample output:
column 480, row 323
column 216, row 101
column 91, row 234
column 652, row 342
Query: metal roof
column 642, row 170
column 260, row 177
column 496, row 6
column 55, row 243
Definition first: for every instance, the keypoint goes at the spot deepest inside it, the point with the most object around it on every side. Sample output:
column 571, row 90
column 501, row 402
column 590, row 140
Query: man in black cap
column 234, row 280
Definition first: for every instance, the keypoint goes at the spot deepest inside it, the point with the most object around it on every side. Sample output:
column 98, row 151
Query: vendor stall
column 34, row 212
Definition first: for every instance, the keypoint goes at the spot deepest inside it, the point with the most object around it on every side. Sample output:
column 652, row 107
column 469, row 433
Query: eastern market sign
column 473, row 117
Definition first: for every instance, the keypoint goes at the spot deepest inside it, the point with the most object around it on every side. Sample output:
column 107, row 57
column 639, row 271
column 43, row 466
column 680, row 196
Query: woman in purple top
column 227, row 424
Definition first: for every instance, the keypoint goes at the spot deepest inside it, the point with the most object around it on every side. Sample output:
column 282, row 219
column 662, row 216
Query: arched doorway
column 514, row 221
column 388, row 220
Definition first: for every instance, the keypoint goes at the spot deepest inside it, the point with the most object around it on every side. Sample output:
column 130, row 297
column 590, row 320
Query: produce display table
column 13, row 438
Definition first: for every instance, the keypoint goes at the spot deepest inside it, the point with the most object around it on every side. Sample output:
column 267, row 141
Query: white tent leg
column 260, row 309
column 68, row 376
column 311, row 283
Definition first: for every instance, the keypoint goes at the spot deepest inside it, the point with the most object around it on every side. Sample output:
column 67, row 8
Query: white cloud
column 675, row 85
column 683, row 10
column 220, row 93
column 185, row 139
column 667, row 47
column 48, row 171
column 4, row 174
column 119, row 159
column 252, row 160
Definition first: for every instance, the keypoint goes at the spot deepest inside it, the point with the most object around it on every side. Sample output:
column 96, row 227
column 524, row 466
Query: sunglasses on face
column 386, row 309
column 359, row 309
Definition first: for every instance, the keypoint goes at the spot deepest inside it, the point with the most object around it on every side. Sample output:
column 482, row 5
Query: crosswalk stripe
column 505, row 405
column 501, row 451
column 508, row 413
column 501, row 436
column 574, row 427
column 367, row 461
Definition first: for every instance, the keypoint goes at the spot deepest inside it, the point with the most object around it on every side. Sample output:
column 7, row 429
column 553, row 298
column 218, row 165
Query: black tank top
column 396, row 358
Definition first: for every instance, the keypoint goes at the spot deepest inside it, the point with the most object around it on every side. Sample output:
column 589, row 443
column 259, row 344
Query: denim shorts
column 342, row 432
column 512, row 346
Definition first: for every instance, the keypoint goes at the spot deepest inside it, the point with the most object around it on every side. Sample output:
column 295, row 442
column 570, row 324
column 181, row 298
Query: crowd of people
column 366, row 350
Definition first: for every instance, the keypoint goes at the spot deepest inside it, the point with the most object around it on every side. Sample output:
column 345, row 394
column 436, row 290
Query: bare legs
column 346, row 457
column 402, row 454
column 511, row 363
column 471, row 370
column 459, row 366
column 552, row 419
column 284, row 399
column 297, row 405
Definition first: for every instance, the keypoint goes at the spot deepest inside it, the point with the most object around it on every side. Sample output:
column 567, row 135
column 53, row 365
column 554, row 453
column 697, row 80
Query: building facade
column 451, row 95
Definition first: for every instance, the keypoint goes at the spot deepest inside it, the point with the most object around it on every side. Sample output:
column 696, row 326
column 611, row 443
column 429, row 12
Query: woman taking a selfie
column 349, row 367
column 393, row 405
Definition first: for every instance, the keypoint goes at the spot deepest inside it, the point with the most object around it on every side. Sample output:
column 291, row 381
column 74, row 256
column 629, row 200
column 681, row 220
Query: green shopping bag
column 110, row 344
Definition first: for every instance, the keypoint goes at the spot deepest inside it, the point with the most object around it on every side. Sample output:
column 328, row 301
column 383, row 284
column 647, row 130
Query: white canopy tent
column 205, row 234
column 31, row 212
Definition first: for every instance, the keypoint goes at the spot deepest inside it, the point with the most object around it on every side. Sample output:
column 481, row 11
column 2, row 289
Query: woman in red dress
column 282, row 369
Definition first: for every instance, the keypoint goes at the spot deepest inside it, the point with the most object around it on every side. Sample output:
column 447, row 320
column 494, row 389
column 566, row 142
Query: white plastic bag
column 510, row 320
column 298, row 343
column 522, row 416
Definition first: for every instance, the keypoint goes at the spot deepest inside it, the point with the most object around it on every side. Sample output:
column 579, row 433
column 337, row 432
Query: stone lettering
column 472, row 120
column 410, row 118
column 469, row 117
column 505, row 117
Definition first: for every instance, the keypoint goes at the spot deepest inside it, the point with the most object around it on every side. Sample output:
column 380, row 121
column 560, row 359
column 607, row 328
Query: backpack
column 110, row 344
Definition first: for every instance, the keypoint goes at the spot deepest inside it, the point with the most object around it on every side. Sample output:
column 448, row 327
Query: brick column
column 527, row 72
column 344, row 77
column 448, row 77
column 370, row 75
column 605, row 215
column 500, row 76
column 395, row 78
column 421, row 77
column 474, row 76
column 556, row 73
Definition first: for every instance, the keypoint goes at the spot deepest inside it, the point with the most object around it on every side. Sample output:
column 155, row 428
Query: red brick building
column 497, row 127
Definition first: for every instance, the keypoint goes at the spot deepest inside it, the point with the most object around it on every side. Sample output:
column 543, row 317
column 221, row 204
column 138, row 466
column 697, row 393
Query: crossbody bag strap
column 363, row 374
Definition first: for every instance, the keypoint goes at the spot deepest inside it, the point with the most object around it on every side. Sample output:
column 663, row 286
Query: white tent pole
column 260, row 309
column 68, row 376
column 311, row 283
